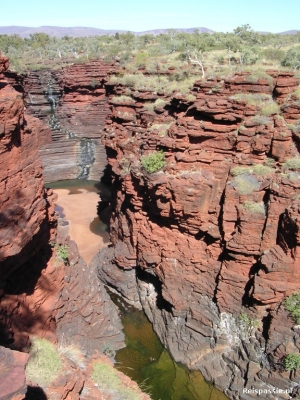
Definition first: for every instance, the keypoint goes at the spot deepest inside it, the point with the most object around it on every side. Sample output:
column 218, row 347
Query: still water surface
column 146, row 361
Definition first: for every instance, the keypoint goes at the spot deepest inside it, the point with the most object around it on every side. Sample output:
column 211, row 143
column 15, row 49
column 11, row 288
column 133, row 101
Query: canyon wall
column 41, row 294
column 25, row 208
column 72, row 102
column 209, row 246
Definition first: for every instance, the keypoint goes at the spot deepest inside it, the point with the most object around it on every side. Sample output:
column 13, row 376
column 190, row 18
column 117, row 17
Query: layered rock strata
column 73, row 102
column 25, row 209
column 41, row 292
column 210, row 244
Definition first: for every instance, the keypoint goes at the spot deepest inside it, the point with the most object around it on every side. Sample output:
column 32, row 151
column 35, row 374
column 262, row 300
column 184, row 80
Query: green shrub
column 154, row 161
column 294, row 128
column 62, row 252
column 113, row 80
column 247, row 324
column 296, row 93
column 72, row 353
column 292, row 58
column 244, row 318
column 292, row 304
column 254, row 208
column 44, row 363
column 292, row 163
column 292, row 362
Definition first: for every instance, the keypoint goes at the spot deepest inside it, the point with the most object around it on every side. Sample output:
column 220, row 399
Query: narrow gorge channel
column 144, row 359
column 207, row 244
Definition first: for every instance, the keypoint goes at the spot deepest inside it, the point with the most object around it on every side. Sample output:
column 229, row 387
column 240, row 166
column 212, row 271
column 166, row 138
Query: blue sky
column 140, row 15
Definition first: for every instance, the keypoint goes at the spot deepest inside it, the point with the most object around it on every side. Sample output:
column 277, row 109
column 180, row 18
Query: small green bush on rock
column 292, row 362
column 154, row 162
column 292, row 304
column 247, row 324
column 62, row 252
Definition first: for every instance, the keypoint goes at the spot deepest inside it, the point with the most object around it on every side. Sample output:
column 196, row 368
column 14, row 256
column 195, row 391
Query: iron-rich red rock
column 12, row 374
column 215, row 231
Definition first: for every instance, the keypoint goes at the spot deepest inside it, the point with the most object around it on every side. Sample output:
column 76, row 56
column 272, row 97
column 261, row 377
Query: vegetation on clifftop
column 177, row 55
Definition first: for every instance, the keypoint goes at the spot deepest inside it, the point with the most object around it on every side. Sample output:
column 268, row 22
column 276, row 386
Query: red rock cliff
column 24, row 204
column 215, row 235
column 39, row 293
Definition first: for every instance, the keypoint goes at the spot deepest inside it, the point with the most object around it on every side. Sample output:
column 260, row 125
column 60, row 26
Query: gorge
column 207, row 246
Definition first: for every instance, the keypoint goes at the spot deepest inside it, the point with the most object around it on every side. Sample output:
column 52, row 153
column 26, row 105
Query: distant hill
column 187, row 30
column 79, row 31
column 291, row 32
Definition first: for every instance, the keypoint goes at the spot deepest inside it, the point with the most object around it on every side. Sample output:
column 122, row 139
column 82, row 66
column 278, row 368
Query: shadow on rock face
column 35, row 393
column 17, row 319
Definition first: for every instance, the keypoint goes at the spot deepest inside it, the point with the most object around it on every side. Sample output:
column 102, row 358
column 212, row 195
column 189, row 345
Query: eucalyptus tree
column 292, row 58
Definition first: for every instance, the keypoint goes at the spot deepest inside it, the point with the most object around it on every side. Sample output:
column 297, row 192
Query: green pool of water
column 146, row 361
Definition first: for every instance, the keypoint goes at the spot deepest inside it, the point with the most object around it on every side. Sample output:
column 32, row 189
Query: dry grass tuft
column 44, row 363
